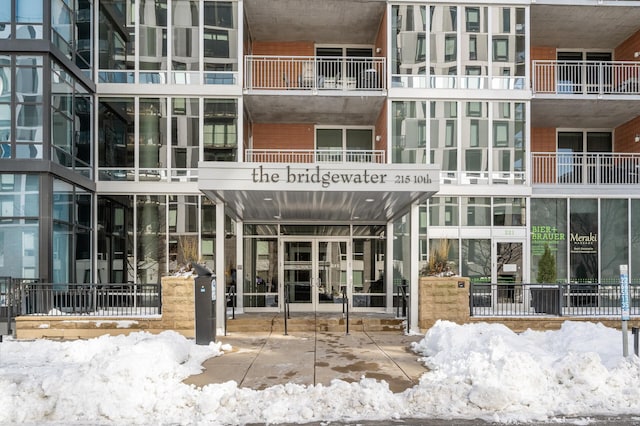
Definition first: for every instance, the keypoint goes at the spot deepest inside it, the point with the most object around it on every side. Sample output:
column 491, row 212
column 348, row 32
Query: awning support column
column 221, row 301
column 414, row 242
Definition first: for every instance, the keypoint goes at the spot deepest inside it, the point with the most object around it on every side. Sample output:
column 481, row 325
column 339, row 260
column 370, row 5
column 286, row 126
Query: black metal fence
column 522, row 300
column 103, row 300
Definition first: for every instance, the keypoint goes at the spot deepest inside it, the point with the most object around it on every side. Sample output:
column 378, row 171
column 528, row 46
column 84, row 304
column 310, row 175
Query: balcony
column 315, row 74
column 586, row 77
column 594, row 94
column 558, row 168
column 314, row 156
column 315, row 89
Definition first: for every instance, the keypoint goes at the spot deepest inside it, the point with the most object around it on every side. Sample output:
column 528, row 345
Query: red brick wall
column 293, row 48
column 283, row 136
column 543, row 139
column 544, row 83
column 381, row 37
column 626, row 49
column 625, row 136
column 543, row 53
column 381, row 129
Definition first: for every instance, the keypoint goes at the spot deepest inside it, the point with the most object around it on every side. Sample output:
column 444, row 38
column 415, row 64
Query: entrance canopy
column 341, row 192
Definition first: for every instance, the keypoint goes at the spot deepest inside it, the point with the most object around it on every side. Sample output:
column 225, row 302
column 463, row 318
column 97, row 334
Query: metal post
column 234, row 298
column 286, row 307
column 636, row 343
column 345, row 306
column 625, row 339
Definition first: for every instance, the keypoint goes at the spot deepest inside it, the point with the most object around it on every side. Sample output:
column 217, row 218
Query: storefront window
column 614, row 231
column 583, row 241
column 260, row 275
column 476, row 260
column 549, row 229
column 634, row 268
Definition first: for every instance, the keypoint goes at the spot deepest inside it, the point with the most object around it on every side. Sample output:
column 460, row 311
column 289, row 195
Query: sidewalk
column 262, row 359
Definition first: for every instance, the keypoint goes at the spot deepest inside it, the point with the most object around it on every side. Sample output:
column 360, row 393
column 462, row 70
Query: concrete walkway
column 262, row 359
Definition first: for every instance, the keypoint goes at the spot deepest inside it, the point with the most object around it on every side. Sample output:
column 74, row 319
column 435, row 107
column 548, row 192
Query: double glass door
column 316, row 273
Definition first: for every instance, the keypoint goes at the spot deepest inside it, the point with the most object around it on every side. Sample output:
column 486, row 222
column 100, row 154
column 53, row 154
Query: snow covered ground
column 478, row 371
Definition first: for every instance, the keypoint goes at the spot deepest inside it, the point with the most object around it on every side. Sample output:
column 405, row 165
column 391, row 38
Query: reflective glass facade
column 109, row 108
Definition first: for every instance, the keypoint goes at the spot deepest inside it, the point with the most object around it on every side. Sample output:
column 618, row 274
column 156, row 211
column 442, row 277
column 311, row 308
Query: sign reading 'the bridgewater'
column 330, row 177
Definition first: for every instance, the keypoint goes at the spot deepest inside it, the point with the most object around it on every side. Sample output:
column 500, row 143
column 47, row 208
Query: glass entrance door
column 509, row 258
column 315, row 273
column 332, row 272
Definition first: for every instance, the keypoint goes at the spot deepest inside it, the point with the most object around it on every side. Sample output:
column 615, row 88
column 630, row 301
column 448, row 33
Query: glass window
column 476, row 211
column 614, row 245
column 472, row 15
column 583, row 240
column 220, row 36
column 116, row 143
column 63, row 201
column 450, row 48
column 500, row 49
column 185, row 133
column 153, row 137
column 19, row 228
column 220, row 130
column 186, row 43
column 500, row 133
column 634, row 268
column 509, row 211
column 549, row 229
column 443, row 211
column 476, row 260
column 506, row 20
column 29, row 11
column 359, row 139
column 115, row 243
column 473, row 48
column 153, row 35
column 151, row 238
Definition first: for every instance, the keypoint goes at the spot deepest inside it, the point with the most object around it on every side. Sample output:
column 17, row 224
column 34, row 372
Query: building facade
column 311, row 151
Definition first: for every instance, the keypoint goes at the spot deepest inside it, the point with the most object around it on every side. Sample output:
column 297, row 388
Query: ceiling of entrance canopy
column 313, row 206
column 329, row 192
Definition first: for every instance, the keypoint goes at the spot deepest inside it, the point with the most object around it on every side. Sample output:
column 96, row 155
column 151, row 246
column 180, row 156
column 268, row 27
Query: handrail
column 405, row 303
column 585, row 77
column 314, row 73
column 345, row 306
column 286, row 307
column 314, row 156
column 589, row 168
column 230, row 297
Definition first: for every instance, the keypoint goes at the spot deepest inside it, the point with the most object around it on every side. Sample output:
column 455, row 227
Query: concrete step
column 308, row 322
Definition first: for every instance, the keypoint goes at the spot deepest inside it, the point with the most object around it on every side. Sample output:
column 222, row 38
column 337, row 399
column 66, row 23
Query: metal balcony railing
column 314, row 156
column 313, row 73
column 586, row 77
column 585, row 168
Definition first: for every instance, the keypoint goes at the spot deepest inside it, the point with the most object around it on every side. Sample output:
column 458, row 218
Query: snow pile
column 488, row 371
column 477, row 371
